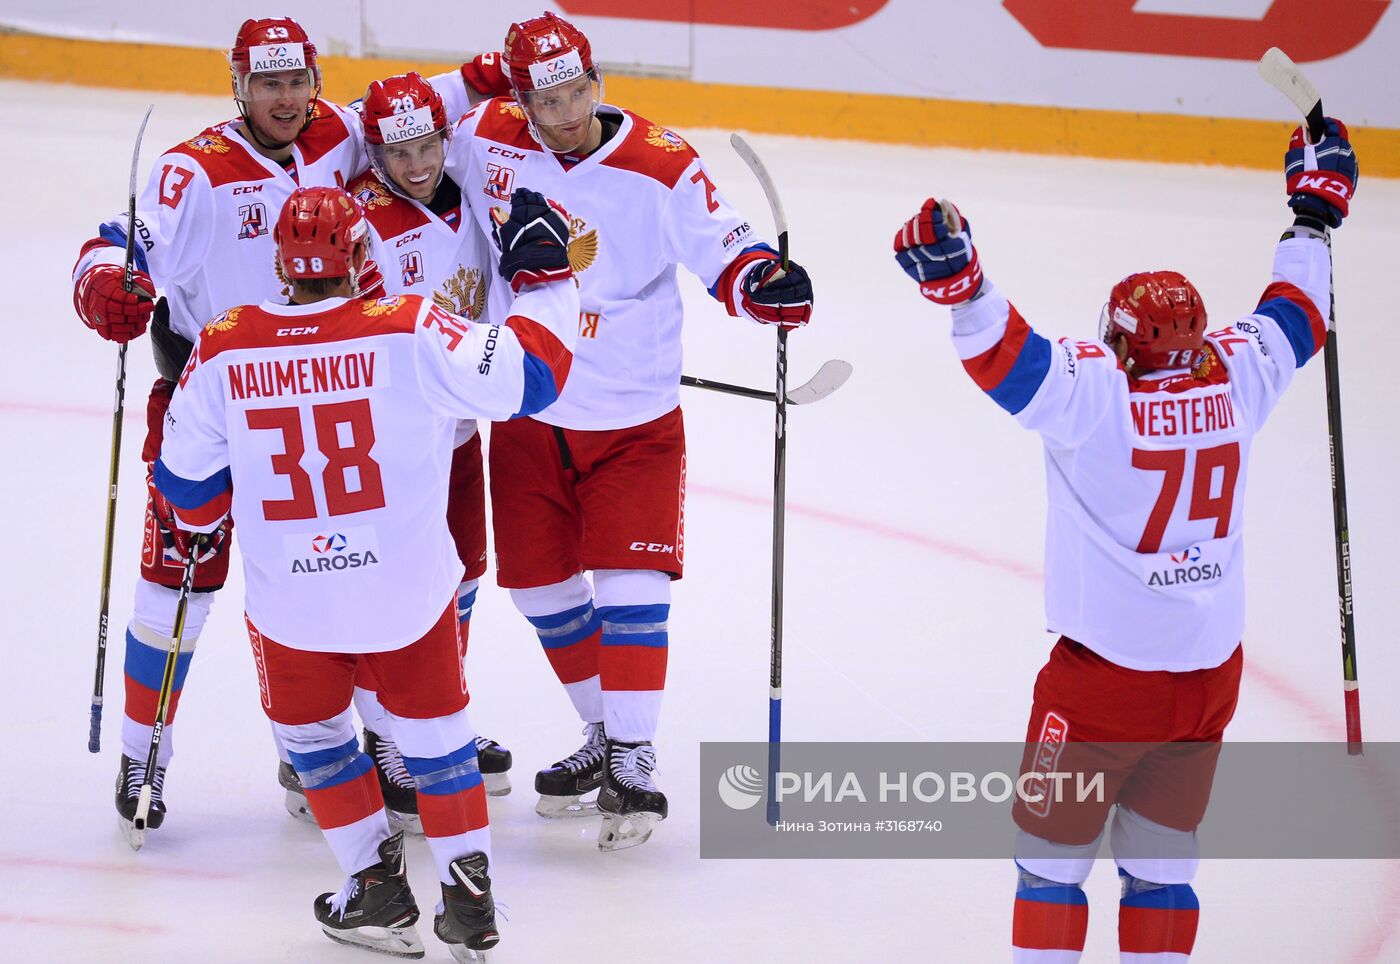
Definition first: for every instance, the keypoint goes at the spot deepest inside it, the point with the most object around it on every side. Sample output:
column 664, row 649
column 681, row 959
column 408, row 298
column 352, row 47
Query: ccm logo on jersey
column 284, row 332
column 652, row 547
column 513, row 155
column 248, row 189
column 1054, row 732
column 407, row 238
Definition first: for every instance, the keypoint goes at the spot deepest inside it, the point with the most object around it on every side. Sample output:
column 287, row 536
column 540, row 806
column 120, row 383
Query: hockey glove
column 935, row 249
column 1321, row 177
column 109, row 309
column 370, row 281
column 533, row 238
column 175, row 541
column 486, row 75
column 771, row 296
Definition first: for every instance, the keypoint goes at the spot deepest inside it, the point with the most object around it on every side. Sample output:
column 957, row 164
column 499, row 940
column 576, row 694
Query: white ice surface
column 915, row 517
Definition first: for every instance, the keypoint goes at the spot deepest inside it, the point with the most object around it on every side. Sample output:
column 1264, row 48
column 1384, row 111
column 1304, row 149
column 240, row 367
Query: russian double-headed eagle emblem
column 372, row 194
column 380, row 306
column 667, row 140
column 208, row 144
column 223, row 322
column 583, row 245
column 463, row 294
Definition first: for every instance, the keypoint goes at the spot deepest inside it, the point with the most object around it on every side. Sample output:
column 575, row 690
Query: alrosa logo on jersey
column 1189, row 569
column 556, row 71
column 332, row 551
column 270, row 57
column 253, row 220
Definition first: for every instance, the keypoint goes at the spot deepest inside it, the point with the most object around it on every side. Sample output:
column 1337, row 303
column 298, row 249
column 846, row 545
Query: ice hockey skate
column 129, row 780
column 375, row 909
column 295, row 799
column 395, row 783
column 466, row 918
column 561, row 785
column 495, row 761
column 630, row 802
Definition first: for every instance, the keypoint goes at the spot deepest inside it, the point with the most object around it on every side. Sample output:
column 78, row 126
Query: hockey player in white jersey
column 204, row 241
column 426, row 243
column 597, row 481
column 1147, row 432
column 326, row 426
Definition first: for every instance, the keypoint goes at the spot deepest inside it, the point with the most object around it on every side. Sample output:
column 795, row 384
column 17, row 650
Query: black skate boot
column 395, row 782
column 561, row 785
column 295, row 799
column 375, row 908
column 629, row 800
column 466, row 919
column 495, row 762
column 129, row 779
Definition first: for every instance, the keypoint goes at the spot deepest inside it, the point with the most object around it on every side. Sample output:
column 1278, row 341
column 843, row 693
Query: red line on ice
column 138, row 869
column 46, row 920
column 1372, row 945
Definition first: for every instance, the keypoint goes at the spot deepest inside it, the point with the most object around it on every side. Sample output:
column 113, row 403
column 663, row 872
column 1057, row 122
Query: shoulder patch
column 381, row 306
column 653, row 151
column 224, row 322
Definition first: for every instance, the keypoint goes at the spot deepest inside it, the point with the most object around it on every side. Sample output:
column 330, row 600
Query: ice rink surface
column 915, row 522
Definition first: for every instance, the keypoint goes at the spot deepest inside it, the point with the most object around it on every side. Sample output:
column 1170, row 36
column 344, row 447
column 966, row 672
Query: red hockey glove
column 370, row 283
column 935, row 249
column 176, row 541
column 771, row 296
column 485, row 74
column 110, row 310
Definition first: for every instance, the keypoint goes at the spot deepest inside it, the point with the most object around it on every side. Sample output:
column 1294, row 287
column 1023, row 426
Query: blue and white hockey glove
column 935, row 249
column 1321, row 177
column 533, row 238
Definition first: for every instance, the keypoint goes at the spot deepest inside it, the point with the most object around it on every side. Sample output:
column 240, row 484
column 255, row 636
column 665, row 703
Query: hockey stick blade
column 831, row 376
column 1279, row 70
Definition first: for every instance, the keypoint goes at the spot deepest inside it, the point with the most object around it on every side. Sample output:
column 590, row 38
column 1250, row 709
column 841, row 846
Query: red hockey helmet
column 270, row 45
column 317, row 233
column 400, row 109
column 1161, row 316
column 545, row 52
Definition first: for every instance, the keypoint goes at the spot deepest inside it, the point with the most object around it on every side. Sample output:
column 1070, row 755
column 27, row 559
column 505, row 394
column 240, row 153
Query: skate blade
column 565, row 808
column 465, row 955
column 297, row 806
column 497, row 784
column 134, row 838
column 624, row 832
column 409, row 823
column 391, row 941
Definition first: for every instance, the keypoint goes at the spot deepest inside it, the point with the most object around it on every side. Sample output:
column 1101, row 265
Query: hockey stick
column 831, row 376
column 1276, row 68
column 118, row 406
column 780, row 398
column 167, row 685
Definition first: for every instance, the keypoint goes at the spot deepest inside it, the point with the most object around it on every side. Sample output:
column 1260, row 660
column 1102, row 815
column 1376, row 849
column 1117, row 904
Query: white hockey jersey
column 327, row 429
column 1144, row 555
column 640, row 205
column 204, row 219
column 419, row 253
